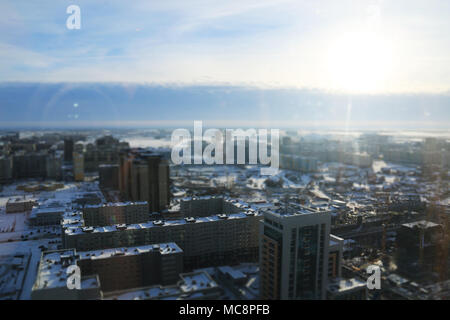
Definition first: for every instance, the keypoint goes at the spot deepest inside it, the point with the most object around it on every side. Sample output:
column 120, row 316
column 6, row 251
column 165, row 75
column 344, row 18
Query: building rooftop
column 42, row 211
column 163, row 248
column 53, row 264
column 421, row 224
column 231, row 272
column 339, row 285
column 71, row 230
column 281, row 212
column 192, row 285
column 53, row 267
column 116, row 204
column 18, row 200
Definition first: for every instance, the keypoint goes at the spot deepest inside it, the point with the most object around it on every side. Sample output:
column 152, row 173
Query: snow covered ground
column 11, row 248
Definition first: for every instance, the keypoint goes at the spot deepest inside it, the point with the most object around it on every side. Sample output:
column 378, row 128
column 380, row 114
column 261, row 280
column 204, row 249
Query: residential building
column 144, row 176
column 294, row 250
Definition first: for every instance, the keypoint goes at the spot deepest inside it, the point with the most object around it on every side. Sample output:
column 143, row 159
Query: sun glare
column 359, row 62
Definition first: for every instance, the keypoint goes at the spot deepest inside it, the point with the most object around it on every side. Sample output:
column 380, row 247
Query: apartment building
column 115, row 213
column 78, row 166
column 294, row 252
column 206, row 206
column 108, row 176
column 144, row 176
column 206, row 241
column 107, row 270
column 19, row 204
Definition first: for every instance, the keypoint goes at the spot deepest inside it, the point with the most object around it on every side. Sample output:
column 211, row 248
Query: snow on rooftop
column 53, row 267
column 196, row 281
column 163, row 248
column 53, row 264
column 233, row 273
column 152, row 224
column 343, row 285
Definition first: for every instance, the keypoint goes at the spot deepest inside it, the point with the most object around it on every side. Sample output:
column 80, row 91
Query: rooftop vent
column 88, row 229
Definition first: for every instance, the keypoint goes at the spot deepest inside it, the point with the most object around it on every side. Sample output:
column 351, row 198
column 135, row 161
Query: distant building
column 144, row 176
column 18, row 204
column 6, row 169
column 105, row 150
column 78, row 166
column 109, row 176
column 54, row 166
column 37, row 187
column 298, row 163
column 68, row 150
column 46, row 216
column 362, row 160
column 294, row 254
column 29, row 165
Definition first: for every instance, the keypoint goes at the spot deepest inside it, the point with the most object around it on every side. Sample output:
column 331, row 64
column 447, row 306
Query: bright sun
column 359, row 62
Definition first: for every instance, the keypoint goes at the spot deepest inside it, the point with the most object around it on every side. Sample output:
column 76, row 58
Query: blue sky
column 352, row 46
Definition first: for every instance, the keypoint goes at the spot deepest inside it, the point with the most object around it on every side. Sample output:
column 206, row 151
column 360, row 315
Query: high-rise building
column 29, row 165
column 78, row 166
column 109, row 176
column 144, row 176
column 68, row 150
column 294, row 254
column 420, row 249
column 104, row 150
column 6, row 169
column 54, row 165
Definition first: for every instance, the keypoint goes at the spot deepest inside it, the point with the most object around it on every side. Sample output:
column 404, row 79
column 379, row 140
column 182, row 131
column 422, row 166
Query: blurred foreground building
column 106, row 270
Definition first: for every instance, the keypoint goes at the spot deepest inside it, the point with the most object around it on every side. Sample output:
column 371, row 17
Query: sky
column 259, row 52
column 352, row 46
